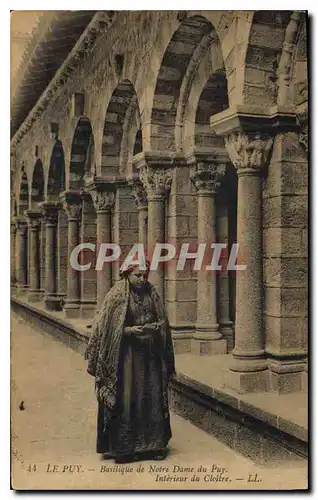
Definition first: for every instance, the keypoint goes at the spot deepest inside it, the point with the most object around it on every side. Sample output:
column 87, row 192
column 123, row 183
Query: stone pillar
column 13, row 233
column 62, row 252
column 181, row 227
column 157, row 181
column 103, row 203
column 285, row 246
column 124, row 224
column 34, row 292
column 52, row 299
column 226, row 325
column 72, row 204
column 249, row 139
column 88, row 277
column 140, row 195
column 42, row 254
column 22, row 250
column 249, row 368
column 207, row 338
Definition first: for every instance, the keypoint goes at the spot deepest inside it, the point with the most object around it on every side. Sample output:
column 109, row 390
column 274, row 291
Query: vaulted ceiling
column 53, row 38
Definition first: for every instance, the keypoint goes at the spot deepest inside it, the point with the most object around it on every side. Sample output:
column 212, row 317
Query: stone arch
column 298, row 69
column 213, row 100
column 38, row 183
column 56, row 174
column 297, row 77
column 138, row 142
column 15, row 208
column 23, row 192
column 121, row 126
column 266, row 39
column 188, row 45
column 82, row 154
column 132, row 140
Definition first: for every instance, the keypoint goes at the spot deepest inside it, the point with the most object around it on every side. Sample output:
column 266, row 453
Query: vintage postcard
column 159, row 237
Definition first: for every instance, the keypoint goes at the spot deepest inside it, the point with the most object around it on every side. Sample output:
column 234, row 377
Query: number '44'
column 32, row 468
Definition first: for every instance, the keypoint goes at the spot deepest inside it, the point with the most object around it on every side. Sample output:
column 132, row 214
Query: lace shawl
column 103, row 348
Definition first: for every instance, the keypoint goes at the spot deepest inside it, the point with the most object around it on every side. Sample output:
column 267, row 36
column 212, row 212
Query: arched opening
column 37, row 190
column 23, row 193
column 56, row 176
column 55, row 186
column 82, row 154
column 122, row 130
column 213, row 100
column 122, row 138
column 263, row 55
column 138, row 142
column 194, row 33
column 23, row 241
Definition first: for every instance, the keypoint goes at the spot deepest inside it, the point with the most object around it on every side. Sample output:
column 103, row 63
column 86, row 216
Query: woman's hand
column 150, row 328
column 135, row 329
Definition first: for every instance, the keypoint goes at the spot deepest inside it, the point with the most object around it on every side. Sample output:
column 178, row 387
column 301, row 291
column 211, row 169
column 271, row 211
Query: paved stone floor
column 53, row 438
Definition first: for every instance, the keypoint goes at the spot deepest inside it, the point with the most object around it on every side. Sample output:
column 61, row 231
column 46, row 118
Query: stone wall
column 186, row 106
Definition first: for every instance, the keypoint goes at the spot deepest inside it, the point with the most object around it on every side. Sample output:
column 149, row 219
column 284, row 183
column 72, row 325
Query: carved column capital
column 249, row 133
column 157, row 180
column 207, row 177
column 72, row 204
column 248, row 151
column 21, row 225
column 303, row 133
column 34, row 219
column 103, row 200
column 50, row 212
column 140, row 194
column 13, row 227
column 72, row 210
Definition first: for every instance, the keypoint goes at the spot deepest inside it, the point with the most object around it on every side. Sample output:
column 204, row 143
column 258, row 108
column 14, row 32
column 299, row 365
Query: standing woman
column 130, row 354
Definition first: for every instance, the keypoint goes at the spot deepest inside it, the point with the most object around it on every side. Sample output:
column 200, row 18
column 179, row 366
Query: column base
column 207, row 331
column 287, row 376
column 208, row 347
column 242, row 382
column 22, row 289
column 181, row 336
column 53, row 302
column 35, row 295
column 284, row 383
column 88, row 309
column 227, row 331
column 71, row 309
column 304, row 381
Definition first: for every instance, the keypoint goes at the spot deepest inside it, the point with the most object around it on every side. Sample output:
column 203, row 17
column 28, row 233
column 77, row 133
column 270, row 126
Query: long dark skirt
column 139, row 423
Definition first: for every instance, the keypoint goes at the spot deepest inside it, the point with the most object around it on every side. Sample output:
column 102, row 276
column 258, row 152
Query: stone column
column 157, row 181
column 207, row 338
column 42, row 254
column 249, row 139
column 88, row 277
column 13, row 233
column 22, row 253
column 140, row 195
column 248, row 371
column 103, row 203
column 51, row 298
column 226, row 325
column 72, row 204
column 34, row 219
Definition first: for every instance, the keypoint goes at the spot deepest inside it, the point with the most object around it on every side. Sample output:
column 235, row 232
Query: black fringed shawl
column 103, row 348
